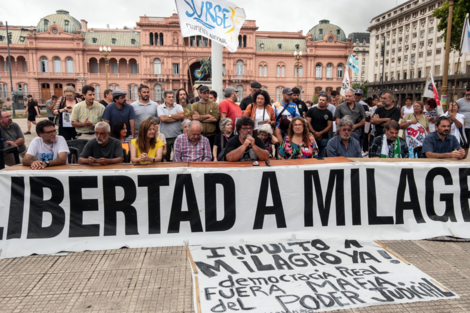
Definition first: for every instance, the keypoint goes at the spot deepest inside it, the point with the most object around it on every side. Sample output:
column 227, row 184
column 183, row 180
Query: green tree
column 461, row 8
column 361, row 86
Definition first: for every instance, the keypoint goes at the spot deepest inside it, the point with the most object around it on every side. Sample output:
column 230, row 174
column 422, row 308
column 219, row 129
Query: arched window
column 329, row 70
column 157, row 93
column 244, row 41
column 318, row 70
column 283, row 71
column 69, row 66
column 265, row 71
column 130, row 92
column 151, row 39
column 44, row 65
column 136, row 92
column 157, row 67
column 240, row 91
column 339, row 72
column 97, row 92
column 301, row 71
column 240, row 41
column 156, row 39
column 161, row 39
column 260, row 70
column 25, row 67
column 199, row 41
column 57, row 67
column 278, row 93
column 240, row 69
column 278, row 71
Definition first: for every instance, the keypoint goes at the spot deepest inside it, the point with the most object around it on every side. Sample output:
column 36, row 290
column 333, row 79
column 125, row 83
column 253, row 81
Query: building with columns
column 62, row 50
column 413, row 48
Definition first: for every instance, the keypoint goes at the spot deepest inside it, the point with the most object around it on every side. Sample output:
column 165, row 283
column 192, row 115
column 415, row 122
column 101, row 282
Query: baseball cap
column 359, row 92
column 468, row 87
column 287, row 91
column 255, row 85
column 203, row 89
column 230, row 89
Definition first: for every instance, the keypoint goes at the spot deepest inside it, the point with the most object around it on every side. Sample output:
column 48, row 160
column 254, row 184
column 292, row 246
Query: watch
column 47, row 163
column 169, row 115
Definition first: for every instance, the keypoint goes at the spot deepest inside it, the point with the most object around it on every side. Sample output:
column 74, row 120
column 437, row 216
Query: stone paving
column 159, row 280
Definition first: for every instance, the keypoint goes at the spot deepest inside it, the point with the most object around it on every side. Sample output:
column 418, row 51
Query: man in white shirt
column 48, row 149
column 144, row 107
column 171, row 115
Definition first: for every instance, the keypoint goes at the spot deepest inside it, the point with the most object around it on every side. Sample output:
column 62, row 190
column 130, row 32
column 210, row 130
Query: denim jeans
column 322, row 146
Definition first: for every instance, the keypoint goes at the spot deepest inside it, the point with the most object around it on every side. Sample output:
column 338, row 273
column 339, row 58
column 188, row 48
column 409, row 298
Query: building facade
column 62, row 50
column 361, row 42
column 413, row 48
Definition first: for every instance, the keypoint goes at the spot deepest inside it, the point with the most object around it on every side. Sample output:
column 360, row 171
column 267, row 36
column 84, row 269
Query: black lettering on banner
column 153, row 184
column 291, row 299
column 260, row 266
column 320, row 245
column 78, row 205
column 407, row 175
column 297, row 262
column 184, row 182
column 37, row 207
column 209, row 270
column 210, row 183
column 15, row 218
column 349, row 243
column 214, row 252
column 352, row 296
column 275, row 250
column 281, row 264
column 112, row 206
column 269, row 179
column 372, row 202
column 336, row 178
column 356, row 196
column 464, row 193
column 303, row 302
column 448, row 198
column 330, row 258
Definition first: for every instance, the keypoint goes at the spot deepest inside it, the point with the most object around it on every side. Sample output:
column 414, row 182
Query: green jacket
column 212, row 108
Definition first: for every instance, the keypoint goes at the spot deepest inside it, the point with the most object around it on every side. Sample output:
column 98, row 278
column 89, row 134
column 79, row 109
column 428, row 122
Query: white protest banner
column 415, row 134
column 218, row 20
column 346, row 85
column 48, row 211
column 465, row 40
column 311, row 275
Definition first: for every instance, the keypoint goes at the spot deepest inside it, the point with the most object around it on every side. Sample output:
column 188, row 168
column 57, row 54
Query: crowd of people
column 203, row 130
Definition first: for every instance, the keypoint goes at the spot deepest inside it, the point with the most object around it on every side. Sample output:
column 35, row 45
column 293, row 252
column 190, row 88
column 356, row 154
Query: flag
column 346, row 85
column 430, row 90
column 465, row 42
column 396, row 148
column 353, row 64
column 217, row 20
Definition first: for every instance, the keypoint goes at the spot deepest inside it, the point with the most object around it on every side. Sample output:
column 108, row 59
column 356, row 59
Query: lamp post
column 446, row 59
column 82, row 79
column 106, row 52
column 298, row 57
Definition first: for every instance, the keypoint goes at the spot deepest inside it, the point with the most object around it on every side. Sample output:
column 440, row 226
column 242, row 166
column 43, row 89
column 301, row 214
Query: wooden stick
column 391, row 252
column 191, row 260
column 435, row 282
column 198, row 299
column 189, row 70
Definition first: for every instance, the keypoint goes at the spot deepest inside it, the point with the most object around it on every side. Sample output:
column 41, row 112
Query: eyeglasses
column 246, row 128
column 51, row 132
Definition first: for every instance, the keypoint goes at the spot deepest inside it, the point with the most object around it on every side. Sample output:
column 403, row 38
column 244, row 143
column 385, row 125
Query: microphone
column 249, row 135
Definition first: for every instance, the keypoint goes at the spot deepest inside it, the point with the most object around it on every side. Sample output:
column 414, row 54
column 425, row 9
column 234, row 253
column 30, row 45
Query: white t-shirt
column 43, row 152
column 259, row 117
column 407, row 111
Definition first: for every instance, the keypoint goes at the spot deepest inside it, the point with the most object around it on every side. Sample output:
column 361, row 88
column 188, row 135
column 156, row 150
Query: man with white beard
column 103, row 149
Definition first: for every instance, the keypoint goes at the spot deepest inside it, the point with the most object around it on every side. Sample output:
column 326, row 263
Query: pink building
column 53, row 54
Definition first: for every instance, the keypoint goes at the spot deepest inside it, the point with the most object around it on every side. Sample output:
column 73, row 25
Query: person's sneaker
column 27, row 133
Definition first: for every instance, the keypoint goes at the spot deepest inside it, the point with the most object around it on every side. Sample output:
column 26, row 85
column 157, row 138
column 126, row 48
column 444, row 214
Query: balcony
column 52, row 75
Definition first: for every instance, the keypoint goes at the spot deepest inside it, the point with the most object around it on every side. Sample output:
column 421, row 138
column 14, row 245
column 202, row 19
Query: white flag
column 346, row 85
column 218, row 20
column 465, row 42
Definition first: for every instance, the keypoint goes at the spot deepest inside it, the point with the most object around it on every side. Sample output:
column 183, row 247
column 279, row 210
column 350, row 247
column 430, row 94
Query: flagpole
column 460, row 54
column 189, row 68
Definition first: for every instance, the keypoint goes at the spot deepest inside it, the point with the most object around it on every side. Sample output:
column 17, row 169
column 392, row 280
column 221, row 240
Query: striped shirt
column 81, row 112
column 186, row 151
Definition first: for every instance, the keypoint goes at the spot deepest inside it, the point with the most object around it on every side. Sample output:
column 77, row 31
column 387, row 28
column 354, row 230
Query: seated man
column 12, row 134
column 192, row 147
column 103, row 149
column 245, row 147
column 343, row 145
column 440, row 144
column 48, row 149
column 395, row 146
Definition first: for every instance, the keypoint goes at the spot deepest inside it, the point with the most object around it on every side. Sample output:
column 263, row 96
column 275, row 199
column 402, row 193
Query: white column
column 217, row 68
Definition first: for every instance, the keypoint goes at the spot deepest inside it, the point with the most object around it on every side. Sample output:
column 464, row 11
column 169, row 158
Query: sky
column 270, row 15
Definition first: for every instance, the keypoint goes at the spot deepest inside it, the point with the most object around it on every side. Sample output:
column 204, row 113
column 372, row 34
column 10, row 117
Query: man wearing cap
column 464, row 108
column 119, row 110
column 207, row 112
column 198, row 89
column 228, row 107
column 302, row 106
column 255, row 86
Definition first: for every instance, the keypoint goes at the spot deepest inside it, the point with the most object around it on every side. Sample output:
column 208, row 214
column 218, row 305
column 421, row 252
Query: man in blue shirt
column 342, row 144
column 285, row 111
column 119, row 110
column 440, row 144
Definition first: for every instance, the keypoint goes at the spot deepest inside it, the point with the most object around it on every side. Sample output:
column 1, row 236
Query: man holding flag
column 389, row 145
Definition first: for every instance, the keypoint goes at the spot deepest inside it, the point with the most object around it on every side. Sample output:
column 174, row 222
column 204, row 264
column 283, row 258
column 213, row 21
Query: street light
column 298, row 57
column 106, row 52
column 82, row 79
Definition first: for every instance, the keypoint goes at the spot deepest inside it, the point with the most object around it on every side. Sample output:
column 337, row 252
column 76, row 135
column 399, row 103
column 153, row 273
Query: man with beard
column 12, row 134
column 144, row 107
column 119, row 110
column 302, row 106
column 255, row 86
column 103, row 149
column 440, row 144
column 87, row 113
column 352, row 109
column 464, row 108
column 48, row 149
column 342, row 144
column 388, row 112
column 228, row 108
column 182, row 99
column 245, row 147
column 389, row 145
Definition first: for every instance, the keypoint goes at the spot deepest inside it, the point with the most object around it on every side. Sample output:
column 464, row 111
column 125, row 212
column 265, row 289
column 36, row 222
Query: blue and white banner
column 353, row 64
column 465, row 42
column 218, row 20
